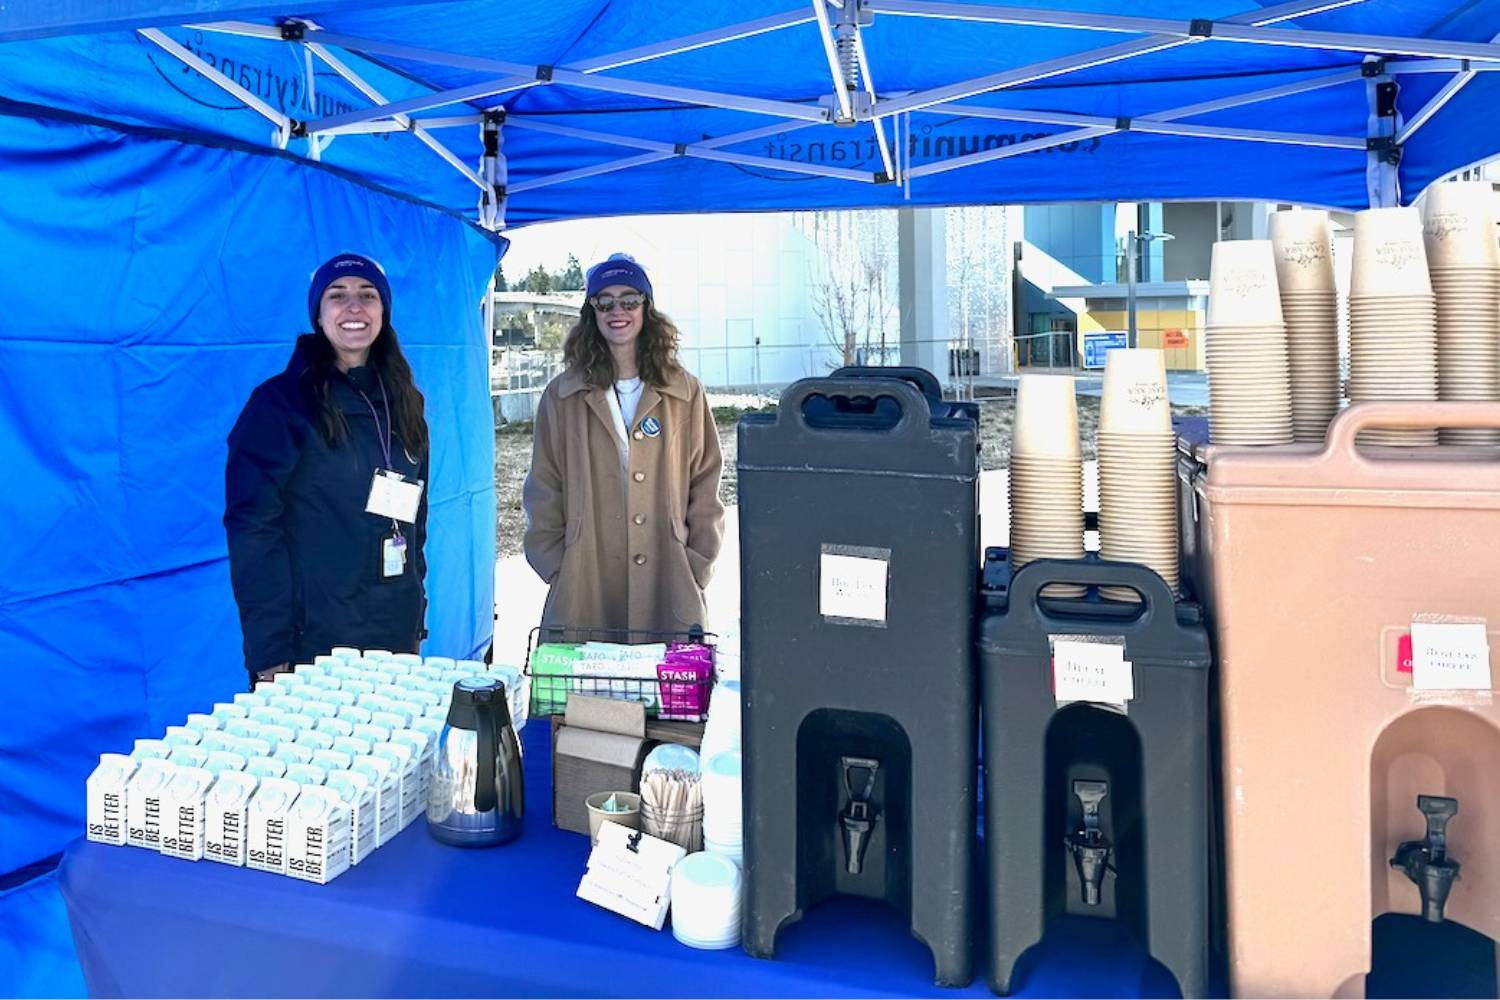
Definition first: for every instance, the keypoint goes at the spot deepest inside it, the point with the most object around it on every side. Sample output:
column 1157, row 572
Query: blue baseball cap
column 618, row 269
column 347, row 265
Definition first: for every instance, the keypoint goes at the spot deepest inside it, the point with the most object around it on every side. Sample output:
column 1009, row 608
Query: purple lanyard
column 384, row 436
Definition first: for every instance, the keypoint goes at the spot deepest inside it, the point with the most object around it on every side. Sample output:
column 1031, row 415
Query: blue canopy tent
column 171, row 171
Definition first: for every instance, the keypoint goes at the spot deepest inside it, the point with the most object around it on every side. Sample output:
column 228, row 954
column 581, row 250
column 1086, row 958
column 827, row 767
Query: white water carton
column 387, row 785
column 298, row 721
column 410, row 709
column 251, row 746
column 318, row 836
column 220, row 761
column 265, row 836
column 353, row 746
column 150, row 749
column 107, row 797
column 424, row 749
column 319, row 709
column 249, row 699
column 405, row 763
column 276, row 734
column 188, row 756
column 355, row 715
column 201, row 723
column 143, row 802
column 336, row 727
column 358, row 686
column 227, row 809
column 306, row 775
column 243, row 727
column 339, row 699
column 392, row 720
column 358, row 793
column 332, row 760
column 223, row 712
column 185, row 815
column 375, row 734
column 265, row 767
column 316, row 739
column 218, row 742
column 265, row 715
column 293, row 753
column 287, row 681
column 285, row 702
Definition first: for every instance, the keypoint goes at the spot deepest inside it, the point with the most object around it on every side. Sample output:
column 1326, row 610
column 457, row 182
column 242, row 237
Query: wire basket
column 665, row 697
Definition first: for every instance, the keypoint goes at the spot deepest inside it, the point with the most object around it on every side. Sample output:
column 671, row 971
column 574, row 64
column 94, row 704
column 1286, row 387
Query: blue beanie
column 619, row 269
column 347, row 265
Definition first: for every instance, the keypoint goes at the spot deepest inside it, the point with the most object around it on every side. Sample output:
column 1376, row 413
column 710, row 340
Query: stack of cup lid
column 1463, row 261
column 1046, row 476
column 1249, row 375
column 1302, row 242
column 1137, row 468
column 722, row 730
column 723, row 809
column 1392, row 319
column 707, row 892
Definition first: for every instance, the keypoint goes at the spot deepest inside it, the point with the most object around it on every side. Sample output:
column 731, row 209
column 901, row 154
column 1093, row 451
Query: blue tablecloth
column 421, row 919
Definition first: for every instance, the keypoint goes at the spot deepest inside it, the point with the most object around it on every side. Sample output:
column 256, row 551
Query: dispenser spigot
column 1426, row 861
column 858, row 817
column 1088, row 844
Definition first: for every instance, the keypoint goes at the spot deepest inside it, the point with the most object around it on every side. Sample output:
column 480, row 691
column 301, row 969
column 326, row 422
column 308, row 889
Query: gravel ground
column 513, row 452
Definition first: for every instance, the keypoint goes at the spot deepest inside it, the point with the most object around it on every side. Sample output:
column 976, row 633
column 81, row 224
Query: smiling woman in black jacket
column 325, row 495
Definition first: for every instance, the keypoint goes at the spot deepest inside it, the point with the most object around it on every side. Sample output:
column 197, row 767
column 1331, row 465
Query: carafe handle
column 485, row 798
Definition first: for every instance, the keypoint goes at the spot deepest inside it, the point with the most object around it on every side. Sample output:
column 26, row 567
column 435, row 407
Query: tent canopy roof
column 601, row 108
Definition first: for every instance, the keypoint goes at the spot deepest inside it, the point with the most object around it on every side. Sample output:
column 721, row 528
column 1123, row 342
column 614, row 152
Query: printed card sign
column 1091, row 671
column 852, row 584
column 1450, row 656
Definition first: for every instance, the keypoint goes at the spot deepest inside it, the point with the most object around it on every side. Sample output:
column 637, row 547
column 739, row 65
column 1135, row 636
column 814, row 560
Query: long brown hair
column 395, row 374
column 586, row 350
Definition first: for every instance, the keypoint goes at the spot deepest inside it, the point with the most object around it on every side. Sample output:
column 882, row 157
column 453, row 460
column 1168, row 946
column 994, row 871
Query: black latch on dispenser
column 1426, row 861
column 1088, row 844
column 858, row 817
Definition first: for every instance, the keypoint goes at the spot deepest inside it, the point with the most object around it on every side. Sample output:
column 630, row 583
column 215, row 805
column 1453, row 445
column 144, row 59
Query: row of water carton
column 304, row 776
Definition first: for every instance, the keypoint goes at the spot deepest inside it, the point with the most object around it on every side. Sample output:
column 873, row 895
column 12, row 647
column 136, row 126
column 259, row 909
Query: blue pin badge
column 651, row 427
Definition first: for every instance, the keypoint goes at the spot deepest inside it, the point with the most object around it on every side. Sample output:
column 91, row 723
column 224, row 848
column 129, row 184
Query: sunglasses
column 607, row 303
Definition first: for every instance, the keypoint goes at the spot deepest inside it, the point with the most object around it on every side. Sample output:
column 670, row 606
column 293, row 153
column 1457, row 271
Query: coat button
column 640, row 560
column 639, row 436
column 639, row 519
column 639, row 477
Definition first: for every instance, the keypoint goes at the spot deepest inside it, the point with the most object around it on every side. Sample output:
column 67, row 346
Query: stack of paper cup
column 707, row 891
column 1463, row 262
column 1249, row 376
column 722, row 730
column 1302, row 242
column 1392, row 319
column 1046, row 476
column 723, row 809
column 1137, row 467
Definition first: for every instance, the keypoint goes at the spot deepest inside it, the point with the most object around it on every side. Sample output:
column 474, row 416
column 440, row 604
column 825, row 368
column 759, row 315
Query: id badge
column 392, row 556
column 394, row 496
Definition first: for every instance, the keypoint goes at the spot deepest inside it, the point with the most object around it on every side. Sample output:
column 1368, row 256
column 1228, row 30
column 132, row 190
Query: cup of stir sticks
column 672, row 807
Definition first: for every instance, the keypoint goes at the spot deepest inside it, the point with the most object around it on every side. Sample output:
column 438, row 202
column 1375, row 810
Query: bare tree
column 851, row 279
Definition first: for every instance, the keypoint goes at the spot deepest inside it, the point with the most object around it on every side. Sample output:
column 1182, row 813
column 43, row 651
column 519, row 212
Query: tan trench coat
column 624, row 552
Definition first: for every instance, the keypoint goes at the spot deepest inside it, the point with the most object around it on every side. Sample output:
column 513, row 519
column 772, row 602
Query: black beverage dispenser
column 858, row 542
column 1094, row 809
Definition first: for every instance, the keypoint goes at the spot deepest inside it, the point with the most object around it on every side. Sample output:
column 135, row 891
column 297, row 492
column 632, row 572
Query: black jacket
column 304, row 556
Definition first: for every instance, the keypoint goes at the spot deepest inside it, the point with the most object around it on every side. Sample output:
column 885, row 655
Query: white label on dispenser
column 1450, row 656
column 1095, row 670
column 852, row 584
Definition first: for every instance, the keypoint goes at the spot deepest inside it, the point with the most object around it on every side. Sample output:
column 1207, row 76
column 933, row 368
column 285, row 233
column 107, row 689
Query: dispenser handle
column 915, row 411
column 923, row 379
column 1340, row 441
column 1156, row 597
column 485, row 798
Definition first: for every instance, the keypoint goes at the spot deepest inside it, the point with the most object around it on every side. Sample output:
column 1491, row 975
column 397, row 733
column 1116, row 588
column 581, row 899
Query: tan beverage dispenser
column 1349, row 791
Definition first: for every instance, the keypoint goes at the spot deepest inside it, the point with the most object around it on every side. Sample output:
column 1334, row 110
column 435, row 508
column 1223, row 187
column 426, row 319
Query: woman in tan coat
column 622, row 501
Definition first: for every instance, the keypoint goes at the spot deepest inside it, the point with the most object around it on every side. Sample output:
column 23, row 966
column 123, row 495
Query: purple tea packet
column 685, row 677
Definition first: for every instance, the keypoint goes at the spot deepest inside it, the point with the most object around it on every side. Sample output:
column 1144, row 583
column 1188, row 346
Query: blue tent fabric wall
column 148, row 287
